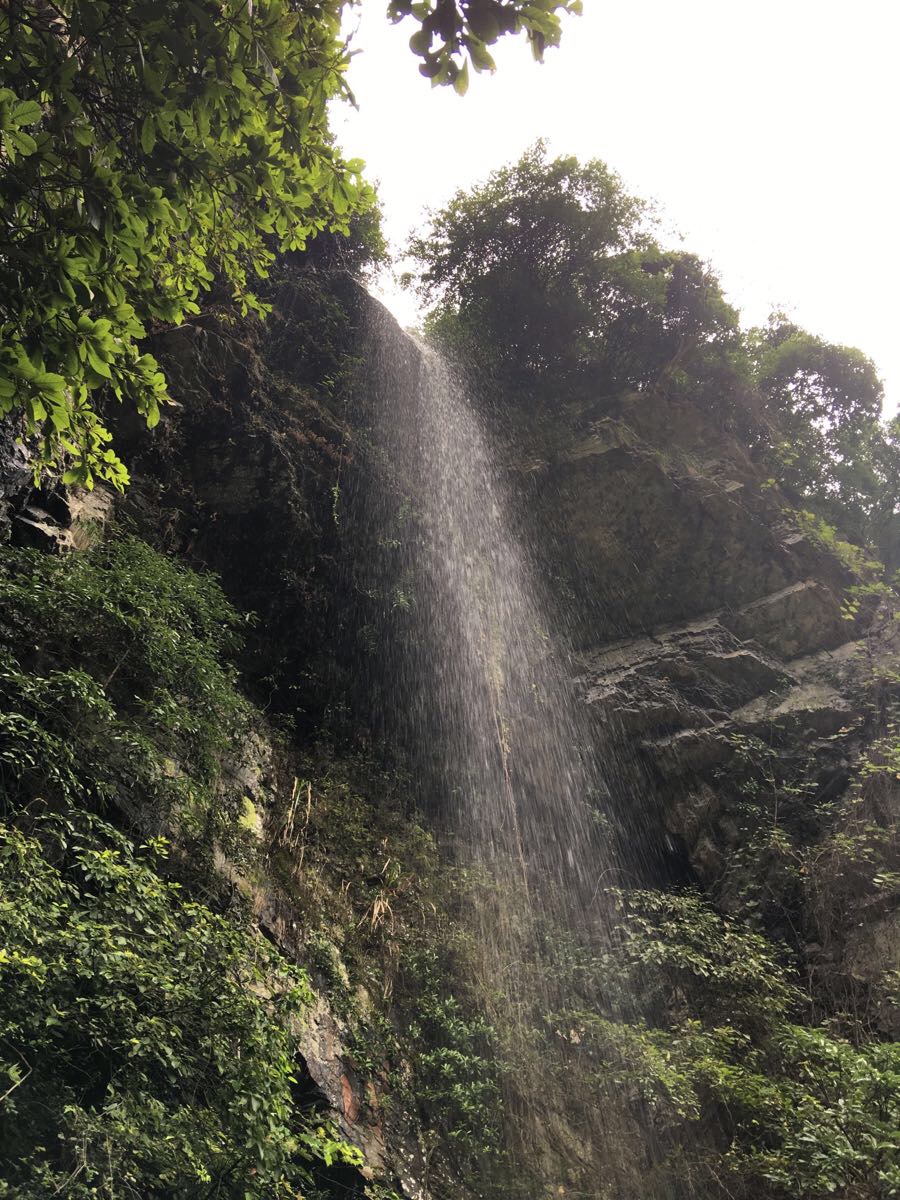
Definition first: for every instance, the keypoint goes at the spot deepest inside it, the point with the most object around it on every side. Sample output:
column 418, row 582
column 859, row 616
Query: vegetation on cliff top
column 549, row 276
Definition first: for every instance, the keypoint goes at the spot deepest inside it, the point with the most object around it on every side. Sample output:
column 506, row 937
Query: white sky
column 765, row 130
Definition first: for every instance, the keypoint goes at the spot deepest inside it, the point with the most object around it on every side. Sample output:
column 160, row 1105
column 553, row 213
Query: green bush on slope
column 714, row 1044
column 147, row 1046
column 116, row 686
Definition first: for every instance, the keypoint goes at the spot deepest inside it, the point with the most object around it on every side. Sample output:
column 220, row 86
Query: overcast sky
column 765, row 131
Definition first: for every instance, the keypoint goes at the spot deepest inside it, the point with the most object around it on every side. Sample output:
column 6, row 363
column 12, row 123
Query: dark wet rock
column 69, row 520
column 248, row 475
column 796, row 620
column 655, row 546
column 654, row 515
column 873, row 952
column 684, row 676
column 689, row 750
column 323, row 1046
column 693, row 812
column 744, row 672
column 811, row 709
column 786, row 690
column 30, row 531
column 16, row 472
column 708, row 857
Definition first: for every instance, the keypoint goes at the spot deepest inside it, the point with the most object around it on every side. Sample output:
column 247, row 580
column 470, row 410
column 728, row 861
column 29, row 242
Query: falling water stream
column 485, row 675
column 481, row 688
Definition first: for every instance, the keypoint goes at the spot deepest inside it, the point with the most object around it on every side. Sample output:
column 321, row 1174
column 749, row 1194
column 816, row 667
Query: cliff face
column 735, row 663
column 759, row 717
column 745, row 706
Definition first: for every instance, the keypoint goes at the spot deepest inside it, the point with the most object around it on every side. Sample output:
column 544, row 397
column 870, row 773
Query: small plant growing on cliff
column 456, row 1073
column 871, row 575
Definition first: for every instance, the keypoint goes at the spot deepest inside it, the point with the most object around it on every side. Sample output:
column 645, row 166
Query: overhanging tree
column 453, row 34
column 147, row 148
column 152, row 147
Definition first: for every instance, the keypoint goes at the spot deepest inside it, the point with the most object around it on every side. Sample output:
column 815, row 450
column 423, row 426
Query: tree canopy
column 553, row 263
column 823, row 405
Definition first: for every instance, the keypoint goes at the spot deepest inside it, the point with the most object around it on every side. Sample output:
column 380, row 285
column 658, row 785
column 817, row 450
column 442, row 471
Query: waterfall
column 482, row 674
column 478, row 686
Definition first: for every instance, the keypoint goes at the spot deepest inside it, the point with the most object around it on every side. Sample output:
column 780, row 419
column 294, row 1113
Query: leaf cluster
column 453, row 34
column 149, row 150
column 117, row 688
column 550, row 269
column 383, row 937
column 712, row 1040
column 457, row 1076
column 147, row 1046
column 822, row 433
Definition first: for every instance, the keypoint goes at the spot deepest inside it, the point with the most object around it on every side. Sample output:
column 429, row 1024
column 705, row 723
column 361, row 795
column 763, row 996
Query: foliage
column 777, row 812
column 356, row 859
column 453, row 34
column 549, row 267
column 548, row 275
column 808, row 860
column 116, row 686
column 148, row 1046
column 822, row 406
column 870, row 574
column 457, row 1076
column 800, row 1113
column 383, row 934
column 152, row 150
column 148, row 149
column 853, row 557
column 808, row 1115
column 674, row 949
column 520, row 253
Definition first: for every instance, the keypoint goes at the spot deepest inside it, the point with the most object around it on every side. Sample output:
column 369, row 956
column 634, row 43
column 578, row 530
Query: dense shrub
column 147, row 1046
